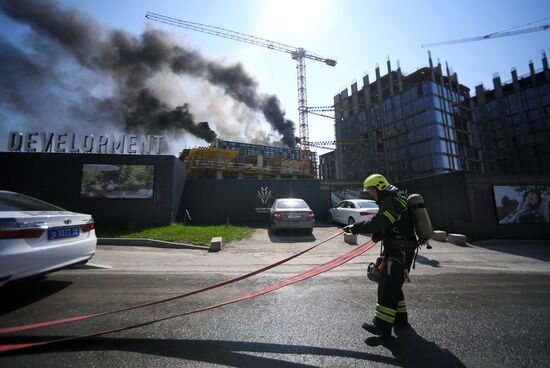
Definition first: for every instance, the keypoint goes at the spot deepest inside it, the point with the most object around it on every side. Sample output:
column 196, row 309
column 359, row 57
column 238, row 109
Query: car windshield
column 291, row 203
column 20, row 202
column 367, row 205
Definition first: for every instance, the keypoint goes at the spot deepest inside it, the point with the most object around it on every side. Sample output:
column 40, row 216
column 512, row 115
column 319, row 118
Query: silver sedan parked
column 291, row 213
column 37, row 237
column 351, row 211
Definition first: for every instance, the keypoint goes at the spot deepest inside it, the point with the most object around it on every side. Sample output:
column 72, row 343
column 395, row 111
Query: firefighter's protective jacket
column 392, row 224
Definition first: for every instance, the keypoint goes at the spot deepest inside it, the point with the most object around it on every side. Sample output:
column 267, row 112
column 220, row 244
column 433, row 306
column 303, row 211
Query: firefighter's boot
column 401, row 317
column 401, row 320
column 378, row 327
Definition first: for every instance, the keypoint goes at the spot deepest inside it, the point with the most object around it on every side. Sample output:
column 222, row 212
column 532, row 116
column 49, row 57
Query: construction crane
column 324, row 144
column 317, row 110
column 312, row 144
column 297, row 53
column 491, row 36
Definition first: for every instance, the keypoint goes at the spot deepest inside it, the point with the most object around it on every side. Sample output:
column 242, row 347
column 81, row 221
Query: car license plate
column 294, row 216
column 65, row 232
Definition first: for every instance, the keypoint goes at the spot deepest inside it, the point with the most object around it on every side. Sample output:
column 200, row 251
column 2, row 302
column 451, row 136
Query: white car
column 350, row 211
column 37, row 237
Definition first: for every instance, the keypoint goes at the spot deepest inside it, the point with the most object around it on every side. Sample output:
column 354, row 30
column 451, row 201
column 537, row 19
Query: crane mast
column 297, row 53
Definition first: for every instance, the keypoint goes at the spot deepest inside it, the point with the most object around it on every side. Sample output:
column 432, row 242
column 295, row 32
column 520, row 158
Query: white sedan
column 37, row 237
column 350, row 211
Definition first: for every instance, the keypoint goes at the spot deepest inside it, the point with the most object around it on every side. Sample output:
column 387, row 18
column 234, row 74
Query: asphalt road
column 484, row 305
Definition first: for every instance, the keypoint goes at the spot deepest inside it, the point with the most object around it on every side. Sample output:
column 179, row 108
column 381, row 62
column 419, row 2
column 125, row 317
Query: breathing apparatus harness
column 420, row 222
column 384, row 262
column 422, row 226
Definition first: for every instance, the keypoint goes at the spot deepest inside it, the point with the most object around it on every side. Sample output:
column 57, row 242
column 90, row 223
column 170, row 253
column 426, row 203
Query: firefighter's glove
column 376, row 237
column 351, row 229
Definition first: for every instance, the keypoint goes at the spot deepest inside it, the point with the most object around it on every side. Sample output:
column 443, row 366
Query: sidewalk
column 262, row 249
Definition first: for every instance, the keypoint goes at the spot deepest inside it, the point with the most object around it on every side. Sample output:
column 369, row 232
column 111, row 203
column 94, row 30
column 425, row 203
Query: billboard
column 117, row 181
column 522, row 204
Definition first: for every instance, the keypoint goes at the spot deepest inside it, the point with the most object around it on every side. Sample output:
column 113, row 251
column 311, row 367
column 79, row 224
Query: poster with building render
column 117, row 181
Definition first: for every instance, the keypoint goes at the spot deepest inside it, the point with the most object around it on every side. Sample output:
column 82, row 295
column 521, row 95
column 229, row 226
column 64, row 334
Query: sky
column 358, row 34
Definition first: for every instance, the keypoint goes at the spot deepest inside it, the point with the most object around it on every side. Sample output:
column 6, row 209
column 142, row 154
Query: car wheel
column 308, row 231
column 351, row 221
column 271, row 229
column 330, row 218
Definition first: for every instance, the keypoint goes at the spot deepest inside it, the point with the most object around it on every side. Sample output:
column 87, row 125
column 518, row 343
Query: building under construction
column 514, row 119
column 235, row 160
column 406, row 126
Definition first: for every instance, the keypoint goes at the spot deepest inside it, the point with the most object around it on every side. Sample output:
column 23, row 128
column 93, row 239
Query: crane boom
column 489, row 36
column 297, row 53
column 335, row 143
column 320, row 108
column 322, row 147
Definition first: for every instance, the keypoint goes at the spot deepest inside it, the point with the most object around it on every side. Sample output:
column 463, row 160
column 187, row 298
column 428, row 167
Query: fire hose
column 302, row 276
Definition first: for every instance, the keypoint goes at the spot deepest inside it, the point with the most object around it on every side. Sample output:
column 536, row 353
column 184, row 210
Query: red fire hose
column 305, row 275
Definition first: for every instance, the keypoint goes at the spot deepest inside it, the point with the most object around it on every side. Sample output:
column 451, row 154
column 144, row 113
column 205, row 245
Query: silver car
column 351, row 211
column 291, row 213
column 37, row 237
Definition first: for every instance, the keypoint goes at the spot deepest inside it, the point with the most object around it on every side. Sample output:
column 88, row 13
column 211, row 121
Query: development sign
column 88, row 143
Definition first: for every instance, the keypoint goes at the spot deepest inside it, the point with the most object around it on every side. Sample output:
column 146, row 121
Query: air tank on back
column 420, row 217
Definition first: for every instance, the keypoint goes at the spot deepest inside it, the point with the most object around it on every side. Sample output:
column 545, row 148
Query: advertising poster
column 527, row 204
column 117, row 181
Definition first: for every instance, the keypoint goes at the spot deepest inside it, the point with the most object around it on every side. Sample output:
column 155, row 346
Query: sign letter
column 15, row 139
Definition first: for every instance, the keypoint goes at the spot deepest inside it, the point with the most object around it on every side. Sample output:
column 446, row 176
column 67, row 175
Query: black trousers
column 390, row 291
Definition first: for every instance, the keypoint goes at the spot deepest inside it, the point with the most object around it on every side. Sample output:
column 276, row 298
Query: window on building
column 430, row 88
column 418, row 105
column 511, row 105
column 544, row 93
column 413, row 94
column 439, row 146
column 437, row 130
column 441, row 162
column 531, row 99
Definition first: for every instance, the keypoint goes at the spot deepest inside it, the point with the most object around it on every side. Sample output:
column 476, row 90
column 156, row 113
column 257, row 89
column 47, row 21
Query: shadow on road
column 426, row 261
column 412, row 350
column 21, row 293
column 536, row 249
column 289, row 236
column 220, row 352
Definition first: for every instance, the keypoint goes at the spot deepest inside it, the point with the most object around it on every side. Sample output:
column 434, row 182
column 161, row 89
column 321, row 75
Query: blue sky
column 358, row 34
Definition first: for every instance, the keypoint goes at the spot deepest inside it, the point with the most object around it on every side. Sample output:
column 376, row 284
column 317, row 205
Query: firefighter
column 392, row 224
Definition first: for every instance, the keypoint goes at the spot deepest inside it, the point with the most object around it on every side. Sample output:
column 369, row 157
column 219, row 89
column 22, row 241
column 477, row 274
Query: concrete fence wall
column 57, row 178
column 246, row 201
column 465, row 203
column 457, row 202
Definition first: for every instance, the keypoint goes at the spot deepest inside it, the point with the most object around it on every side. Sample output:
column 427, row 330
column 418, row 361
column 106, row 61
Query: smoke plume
column 110, row 82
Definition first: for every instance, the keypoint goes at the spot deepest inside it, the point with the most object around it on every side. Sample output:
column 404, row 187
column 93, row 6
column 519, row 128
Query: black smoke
column 129, row 62
column 273, row 113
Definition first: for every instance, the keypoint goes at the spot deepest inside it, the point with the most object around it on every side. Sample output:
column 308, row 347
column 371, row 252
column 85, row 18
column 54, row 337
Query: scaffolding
column 224, row 160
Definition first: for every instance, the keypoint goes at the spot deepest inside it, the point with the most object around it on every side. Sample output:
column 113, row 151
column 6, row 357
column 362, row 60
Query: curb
column 144, row 242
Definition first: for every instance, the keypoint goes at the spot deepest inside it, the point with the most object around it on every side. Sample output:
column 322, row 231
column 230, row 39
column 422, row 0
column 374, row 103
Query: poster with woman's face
column 522, row 204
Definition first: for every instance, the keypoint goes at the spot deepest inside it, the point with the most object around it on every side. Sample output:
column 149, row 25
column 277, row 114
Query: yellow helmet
column 377, row 181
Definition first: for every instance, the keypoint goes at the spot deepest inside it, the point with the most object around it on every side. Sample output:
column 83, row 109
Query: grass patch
column 189, row 234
